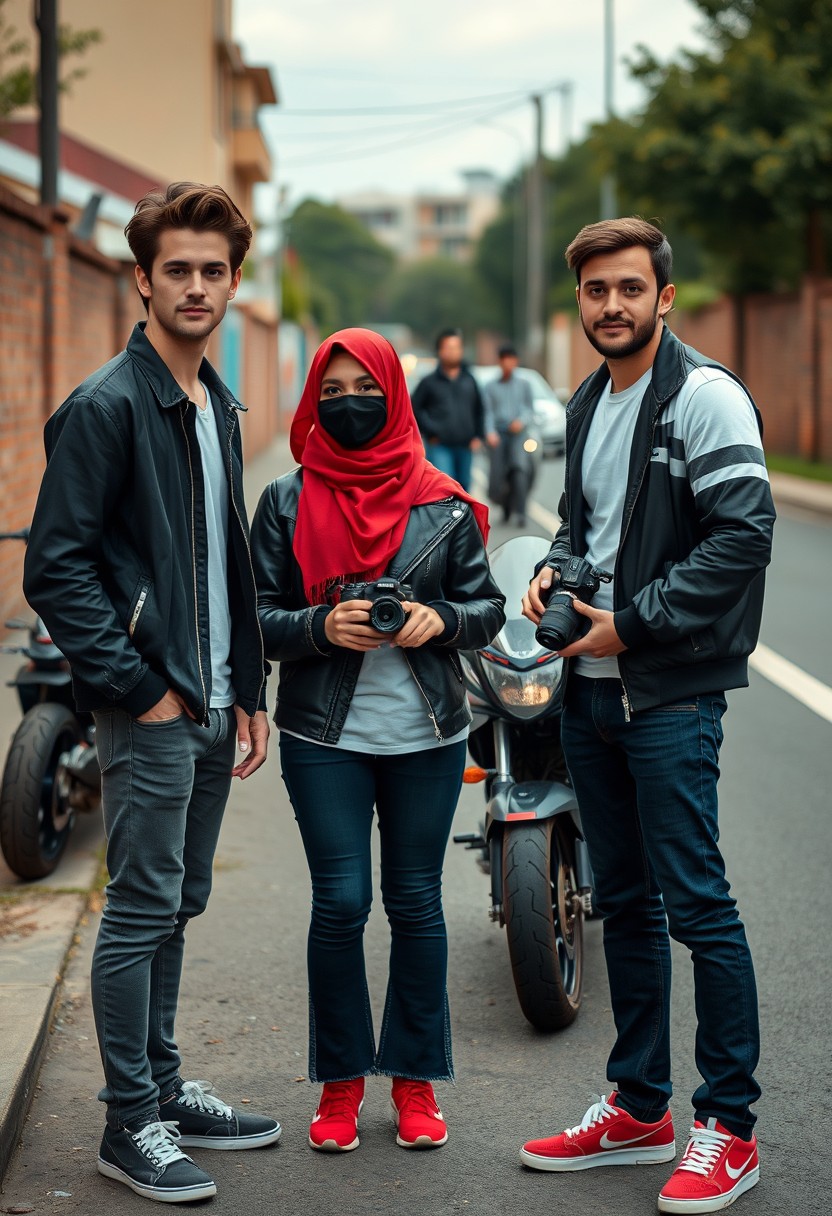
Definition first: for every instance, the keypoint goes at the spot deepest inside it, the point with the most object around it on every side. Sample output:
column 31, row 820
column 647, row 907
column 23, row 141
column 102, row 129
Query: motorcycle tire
column 544, row 926
column 35, row 821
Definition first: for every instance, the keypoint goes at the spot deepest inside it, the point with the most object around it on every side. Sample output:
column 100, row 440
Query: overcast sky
column 332, row 55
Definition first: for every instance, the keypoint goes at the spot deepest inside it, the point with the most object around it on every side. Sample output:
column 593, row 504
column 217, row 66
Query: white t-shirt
column 216, row 527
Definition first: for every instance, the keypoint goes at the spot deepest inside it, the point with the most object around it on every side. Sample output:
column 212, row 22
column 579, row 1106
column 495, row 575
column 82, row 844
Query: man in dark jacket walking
column 667, row 489
column 449, row 410
column 139, row 563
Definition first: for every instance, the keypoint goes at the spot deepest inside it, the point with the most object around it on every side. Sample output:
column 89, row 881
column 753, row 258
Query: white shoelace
column 597, row 1113
column 703, row 1151
column 158, row 1143
column 198, row 1096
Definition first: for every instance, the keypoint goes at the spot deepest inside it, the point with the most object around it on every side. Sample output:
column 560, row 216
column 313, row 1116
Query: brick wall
column 66, row 309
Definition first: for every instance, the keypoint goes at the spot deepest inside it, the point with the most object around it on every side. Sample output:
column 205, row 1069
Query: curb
column 28, row 1010
column 814, row 496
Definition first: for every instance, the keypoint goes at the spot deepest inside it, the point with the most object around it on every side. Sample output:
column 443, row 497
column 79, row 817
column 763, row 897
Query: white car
column 549, row 410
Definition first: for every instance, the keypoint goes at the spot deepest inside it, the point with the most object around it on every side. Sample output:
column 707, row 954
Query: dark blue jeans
column 333, row 793
column 647, row 793
column 164, row 787
column 453, row 459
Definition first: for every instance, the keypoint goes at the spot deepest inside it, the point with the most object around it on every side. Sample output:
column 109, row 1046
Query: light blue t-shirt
column 216, row 527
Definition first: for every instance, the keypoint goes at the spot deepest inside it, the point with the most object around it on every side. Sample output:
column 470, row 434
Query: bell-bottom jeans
column 648, row 799
column 333, row 793
column 164, row 790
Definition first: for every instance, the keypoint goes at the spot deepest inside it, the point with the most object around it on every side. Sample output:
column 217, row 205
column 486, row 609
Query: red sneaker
column 715, row 1170
column 607, row 1135
column 417, row 1117
column 334, row 1128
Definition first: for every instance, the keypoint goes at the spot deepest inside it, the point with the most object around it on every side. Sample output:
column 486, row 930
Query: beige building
column 166, row 90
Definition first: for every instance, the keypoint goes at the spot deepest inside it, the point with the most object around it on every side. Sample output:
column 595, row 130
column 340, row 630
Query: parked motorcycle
column 51, row 769
column 530, row 842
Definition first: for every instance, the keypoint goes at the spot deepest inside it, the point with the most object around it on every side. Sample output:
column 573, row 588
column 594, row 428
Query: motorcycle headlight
column 525, row 693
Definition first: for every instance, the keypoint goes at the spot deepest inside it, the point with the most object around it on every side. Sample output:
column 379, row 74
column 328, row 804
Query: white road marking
column 794, row 680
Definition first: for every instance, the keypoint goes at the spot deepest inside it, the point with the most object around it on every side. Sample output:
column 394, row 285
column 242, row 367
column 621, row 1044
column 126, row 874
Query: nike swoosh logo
column 735, row 1174
column 607, row 1143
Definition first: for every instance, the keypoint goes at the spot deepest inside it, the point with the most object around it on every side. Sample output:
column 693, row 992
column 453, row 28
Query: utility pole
column 536, row 250
column 46, row 18
column 609, row 202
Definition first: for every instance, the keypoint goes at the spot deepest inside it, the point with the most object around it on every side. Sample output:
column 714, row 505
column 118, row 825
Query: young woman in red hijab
column 372, row 718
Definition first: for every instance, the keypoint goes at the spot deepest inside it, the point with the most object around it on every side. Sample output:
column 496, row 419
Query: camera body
column 387, row 596
column 560, row 623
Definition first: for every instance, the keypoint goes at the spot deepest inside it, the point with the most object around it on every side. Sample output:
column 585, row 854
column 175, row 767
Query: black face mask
column 353, row 420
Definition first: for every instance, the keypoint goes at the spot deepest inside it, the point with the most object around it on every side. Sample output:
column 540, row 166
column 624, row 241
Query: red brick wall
column 66, row 309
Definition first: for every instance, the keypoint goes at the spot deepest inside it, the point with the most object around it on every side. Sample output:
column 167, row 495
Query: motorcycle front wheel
column 35, row 818
column 544, row 922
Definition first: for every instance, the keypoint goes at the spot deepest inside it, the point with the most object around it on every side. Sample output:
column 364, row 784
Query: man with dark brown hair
column 666, row 489
column 138, row 562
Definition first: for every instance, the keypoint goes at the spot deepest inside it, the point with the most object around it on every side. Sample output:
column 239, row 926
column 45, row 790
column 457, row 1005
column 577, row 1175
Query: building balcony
column 250, row 155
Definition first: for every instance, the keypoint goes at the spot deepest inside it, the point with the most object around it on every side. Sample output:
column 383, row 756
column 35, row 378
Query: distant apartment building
column 429, row 225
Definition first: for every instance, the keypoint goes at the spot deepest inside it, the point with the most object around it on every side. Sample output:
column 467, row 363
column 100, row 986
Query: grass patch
column 798, row 467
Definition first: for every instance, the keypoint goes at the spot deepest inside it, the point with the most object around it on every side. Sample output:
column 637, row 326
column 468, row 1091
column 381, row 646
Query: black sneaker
column 205, row 1121
column 150, row 1163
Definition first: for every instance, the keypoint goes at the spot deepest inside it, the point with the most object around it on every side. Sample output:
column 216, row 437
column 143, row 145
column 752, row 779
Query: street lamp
column 609, row 202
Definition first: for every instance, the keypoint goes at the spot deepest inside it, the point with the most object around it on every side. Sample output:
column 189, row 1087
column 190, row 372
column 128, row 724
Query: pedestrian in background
column 449, row 410
column 509, row 409
column 667, row 488
column 369, row 718
column 138, row 562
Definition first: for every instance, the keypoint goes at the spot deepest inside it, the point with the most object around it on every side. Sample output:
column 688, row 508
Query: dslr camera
column 560, row 623
column 387, row 596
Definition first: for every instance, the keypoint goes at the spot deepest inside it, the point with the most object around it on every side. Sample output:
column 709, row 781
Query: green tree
column 18, row 80
column 735, row 142
column 345, row 267
column 435, row 294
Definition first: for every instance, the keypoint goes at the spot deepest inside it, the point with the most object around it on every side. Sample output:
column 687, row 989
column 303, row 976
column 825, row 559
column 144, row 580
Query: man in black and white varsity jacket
column 666, row 487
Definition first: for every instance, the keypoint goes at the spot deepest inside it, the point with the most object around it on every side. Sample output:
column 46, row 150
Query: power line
column 412, row 108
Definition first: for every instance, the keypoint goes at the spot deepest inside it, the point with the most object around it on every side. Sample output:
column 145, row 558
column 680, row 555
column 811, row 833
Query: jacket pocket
column 139, row 601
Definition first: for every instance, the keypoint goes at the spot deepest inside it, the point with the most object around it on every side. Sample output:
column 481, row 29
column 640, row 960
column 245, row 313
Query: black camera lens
column 387, row 615
column 560, row 623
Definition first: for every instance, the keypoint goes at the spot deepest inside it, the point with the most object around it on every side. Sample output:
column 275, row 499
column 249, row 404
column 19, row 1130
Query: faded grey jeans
column 164, row 787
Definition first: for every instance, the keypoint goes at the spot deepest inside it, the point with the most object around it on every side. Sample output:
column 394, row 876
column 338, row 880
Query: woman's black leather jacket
column 443, row 560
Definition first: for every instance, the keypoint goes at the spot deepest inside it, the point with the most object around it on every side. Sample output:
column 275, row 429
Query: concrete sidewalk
column 815, row 496
column 39, row 920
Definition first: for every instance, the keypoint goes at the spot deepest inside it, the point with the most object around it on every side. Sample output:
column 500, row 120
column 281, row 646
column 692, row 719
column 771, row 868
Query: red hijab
column 354, row 505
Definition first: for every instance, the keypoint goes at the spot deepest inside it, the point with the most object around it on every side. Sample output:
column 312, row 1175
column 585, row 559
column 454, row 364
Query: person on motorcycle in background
column 372, row 719
column 509, row 409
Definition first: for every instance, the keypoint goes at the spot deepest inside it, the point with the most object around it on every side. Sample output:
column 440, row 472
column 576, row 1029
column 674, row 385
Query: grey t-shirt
column 216, row 526
column 388, row 714
column 606, row 460
column 506, row 400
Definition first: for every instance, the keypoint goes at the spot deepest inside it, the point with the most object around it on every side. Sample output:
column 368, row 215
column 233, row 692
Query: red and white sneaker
column 606, row 1135
column 416, row 1115
column 334, row 1128
column 716, row 1169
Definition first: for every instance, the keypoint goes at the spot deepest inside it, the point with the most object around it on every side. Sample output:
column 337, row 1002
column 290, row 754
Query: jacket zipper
column 625, row 699
column 248, row 553
column 420, row 557
column 431, row 714
column 137, row 611
column 205, row 718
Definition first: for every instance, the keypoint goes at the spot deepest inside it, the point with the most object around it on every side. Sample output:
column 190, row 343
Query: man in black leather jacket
column 666, row 488
column 139, row 563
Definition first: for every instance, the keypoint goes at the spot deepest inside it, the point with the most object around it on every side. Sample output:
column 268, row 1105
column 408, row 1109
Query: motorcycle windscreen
column 512, row 565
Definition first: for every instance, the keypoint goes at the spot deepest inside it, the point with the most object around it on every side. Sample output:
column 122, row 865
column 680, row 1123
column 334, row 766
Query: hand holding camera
column 368, row 614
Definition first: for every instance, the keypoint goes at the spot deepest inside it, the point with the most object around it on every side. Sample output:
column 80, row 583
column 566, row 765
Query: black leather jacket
column 690, row 571
column 117, row 560
column 442, row 558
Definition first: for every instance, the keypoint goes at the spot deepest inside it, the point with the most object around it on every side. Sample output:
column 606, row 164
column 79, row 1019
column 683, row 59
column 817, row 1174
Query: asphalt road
column 243, row 1013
